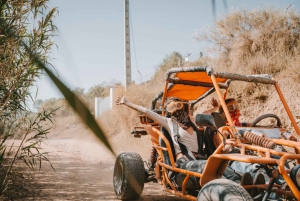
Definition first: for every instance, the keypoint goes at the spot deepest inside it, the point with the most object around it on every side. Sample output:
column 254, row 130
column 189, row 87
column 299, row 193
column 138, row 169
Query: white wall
column 103, row 104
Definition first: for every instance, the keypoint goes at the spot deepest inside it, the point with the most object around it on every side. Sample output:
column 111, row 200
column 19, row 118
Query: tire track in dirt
column 75, row 179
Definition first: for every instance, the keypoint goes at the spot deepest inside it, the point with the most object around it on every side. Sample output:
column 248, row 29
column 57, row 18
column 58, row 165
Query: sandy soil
column 83, row 169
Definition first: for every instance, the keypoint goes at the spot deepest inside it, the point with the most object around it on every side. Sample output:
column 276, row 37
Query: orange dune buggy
column 262, row 145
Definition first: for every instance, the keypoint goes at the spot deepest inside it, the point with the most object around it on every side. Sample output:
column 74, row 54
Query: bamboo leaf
column 74, row 101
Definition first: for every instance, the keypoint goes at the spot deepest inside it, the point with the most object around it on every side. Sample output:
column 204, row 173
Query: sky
column 90, row 42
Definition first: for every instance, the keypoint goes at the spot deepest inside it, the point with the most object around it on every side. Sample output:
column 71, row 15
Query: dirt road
column 83, row 171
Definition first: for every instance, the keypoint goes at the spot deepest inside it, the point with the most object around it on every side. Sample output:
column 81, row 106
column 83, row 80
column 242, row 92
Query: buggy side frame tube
column 281, row 162
column 219, row 93
column 285, row 175
column 287, row 108
column 172, row 167
column 164, row 97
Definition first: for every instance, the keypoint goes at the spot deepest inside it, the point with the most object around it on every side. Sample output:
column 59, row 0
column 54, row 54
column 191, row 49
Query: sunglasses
column 174, row 106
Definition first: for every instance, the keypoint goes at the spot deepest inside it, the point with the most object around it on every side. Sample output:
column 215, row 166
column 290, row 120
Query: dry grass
column 264, row 40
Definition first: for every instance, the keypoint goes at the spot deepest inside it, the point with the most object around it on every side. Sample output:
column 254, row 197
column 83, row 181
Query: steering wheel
column 253, row 124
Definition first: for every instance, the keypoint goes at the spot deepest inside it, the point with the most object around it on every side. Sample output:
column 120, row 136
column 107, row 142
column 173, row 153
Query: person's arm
column 179, row 155
column 215, row 105
column 156, row 117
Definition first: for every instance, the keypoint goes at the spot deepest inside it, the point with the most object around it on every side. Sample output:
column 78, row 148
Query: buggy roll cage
column 209, row 81
column 193, row 84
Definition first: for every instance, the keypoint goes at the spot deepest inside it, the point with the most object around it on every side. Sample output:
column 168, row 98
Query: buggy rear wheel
column 223, row 190
column 129, row 176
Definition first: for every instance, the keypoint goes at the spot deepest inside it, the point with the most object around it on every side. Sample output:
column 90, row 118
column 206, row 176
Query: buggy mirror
column 205, row 120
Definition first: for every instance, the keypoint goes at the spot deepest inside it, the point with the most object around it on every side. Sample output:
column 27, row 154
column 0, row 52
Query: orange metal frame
column 218, row 161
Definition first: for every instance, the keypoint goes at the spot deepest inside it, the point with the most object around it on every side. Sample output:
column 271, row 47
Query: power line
column 213, row 5
column 225, row 4
column 134, row 46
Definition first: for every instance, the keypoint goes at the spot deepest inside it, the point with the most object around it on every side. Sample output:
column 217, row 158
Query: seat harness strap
column 184, row 150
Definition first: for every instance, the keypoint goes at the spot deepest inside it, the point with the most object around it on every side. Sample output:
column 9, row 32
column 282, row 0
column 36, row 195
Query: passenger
column 247, row 168
column 186, row 134
column 215, row 105
column 233, row 109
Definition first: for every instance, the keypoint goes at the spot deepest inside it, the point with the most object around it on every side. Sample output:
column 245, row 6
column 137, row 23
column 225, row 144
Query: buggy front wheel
column 129, row 176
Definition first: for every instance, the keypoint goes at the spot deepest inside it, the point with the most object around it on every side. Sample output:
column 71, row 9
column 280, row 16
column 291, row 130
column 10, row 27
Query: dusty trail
column 83, row 171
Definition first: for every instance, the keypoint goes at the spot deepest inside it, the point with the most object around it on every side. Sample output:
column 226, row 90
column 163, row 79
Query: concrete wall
column 103, row 104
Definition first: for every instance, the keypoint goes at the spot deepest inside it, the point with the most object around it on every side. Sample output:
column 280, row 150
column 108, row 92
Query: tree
column 97, row 91
column 101, row 90
column 23, row 25
column 171, row 61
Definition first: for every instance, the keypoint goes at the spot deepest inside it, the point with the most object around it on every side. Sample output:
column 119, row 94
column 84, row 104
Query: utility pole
column 127, row 45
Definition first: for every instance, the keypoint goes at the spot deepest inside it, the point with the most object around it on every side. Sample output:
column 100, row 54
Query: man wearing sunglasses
column 177, row 119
